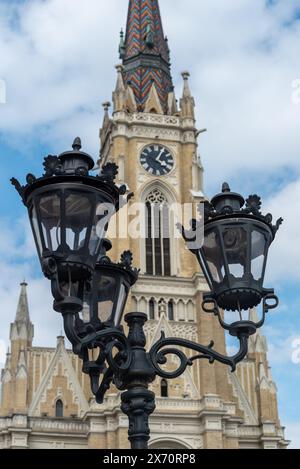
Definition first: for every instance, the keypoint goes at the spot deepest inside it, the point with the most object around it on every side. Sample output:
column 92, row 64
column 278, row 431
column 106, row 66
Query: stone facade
column 208, row 407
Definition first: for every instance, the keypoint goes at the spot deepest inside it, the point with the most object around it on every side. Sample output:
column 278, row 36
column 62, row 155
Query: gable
column 59, row 382
column 190, row 387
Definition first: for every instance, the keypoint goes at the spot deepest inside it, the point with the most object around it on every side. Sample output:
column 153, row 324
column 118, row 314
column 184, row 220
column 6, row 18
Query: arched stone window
column 168, row 444
column 158, row 247
column 59, row 408
column 171, row 310
column 152, row 309
column 164, row 390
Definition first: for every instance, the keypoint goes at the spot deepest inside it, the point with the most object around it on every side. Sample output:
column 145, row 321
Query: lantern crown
column 70, row 163
column 229, row 203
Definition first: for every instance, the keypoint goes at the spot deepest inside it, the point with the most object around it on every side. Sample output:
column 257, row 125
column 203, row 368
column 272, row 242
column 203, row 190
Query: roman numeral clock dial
column 157, row 160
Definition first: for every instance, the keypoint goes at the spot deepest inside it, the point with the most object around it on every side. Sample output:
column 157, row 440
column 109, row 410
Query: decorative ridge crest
column 71, row 163
column 125, row 263
column 230, row 203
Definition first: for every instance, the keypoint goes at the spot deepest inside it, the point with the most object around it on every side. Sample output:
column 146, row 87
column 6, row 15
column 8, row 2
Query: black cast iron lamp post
column 69, row 212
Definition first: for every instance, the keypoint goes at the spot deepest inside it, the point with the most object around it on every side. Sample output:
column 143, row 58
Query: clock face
column 157, row 160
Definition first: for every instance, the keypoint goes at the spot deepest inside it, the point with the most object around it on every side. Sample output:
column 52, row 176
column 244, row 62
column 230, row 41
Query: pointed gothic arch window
column 59, row 408
column 152, row 309
column 164, row 389
column 158, row 248
column 171, row 310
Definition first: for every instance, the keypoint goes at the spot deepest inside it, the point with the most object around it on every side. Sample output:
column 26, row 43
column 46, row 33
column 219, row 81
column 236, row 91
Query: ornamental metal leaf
column 130, row 196
column 52, row 165
column 253, row 204
column 269, row 218
column 109, row 171
column 277, row 226
column 18, row 187
column 30, row 179
column 127, row 258
column 189, row 235
column 209, row 211
column 123, row 189
column 126, row 263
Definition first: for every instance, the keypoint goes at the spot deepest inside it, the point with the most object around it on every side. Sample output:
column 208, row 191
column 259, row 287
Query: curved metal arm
column 107, row 365
column 158, row 354
column 71, row 333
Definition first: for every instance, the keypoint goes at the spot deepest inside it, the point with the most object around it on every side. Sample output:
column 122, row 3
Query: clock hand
column 163, row 163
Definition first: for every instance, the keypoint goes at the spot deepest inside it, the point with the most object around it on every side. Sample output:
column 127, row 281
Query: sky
column 57, row 61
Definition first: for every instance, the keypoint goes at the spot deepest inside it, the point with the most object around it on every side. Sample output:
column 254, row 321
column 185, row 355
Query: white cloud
column 16, row 242
column 284, row 256
column 52, row 62
column 57, row 59
column 281, row 350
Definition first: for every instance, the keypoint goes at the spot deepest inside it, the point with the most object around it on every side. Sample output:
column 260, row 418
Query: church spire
column 145, row 53
column 21, row 330
column 22, row 314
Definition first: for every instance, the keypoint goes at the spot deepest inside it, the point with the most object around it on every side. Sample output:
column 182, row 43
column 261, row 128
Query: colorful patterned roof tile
column 146, row 55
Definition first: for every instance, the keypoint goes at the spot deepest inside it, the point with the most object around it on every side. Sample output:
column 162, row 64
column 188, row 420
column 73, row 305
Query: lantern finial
column 77, row 144
column 225, row 187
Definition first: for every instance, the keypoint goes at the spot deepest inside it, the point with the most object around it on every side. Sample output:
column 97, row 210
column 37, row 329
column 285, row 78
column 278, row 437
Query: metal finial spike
column 185, row 75
column 77, row 144
column 225, row 187
column 106, row 106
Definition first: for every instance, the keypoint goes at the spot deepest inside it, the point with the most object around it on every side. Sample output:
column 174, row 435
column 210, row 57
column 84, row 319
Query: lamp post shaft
column 138, row 403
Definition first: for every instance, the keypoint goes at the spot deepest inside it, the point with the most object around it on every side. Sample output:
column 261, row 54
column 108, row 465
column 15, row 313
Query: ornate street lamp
column 233, row 256
column 69, row 213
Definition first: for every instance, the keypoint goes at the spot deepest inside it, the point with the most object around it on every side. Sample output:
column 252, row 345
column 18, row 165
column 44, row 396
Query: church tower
column 15, row 375
column 155, row 144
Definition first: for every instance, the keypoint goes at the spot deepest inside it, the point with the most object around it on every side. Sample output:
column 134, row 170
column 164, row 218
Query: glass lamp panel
column 235, row 244
column 78, row 217
column 107, row 287
column 213, row 255
column 104, row 212
column 50, row 217
column 120, row 305
column 258, row 247
column 85, row 314
column 36, row 230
